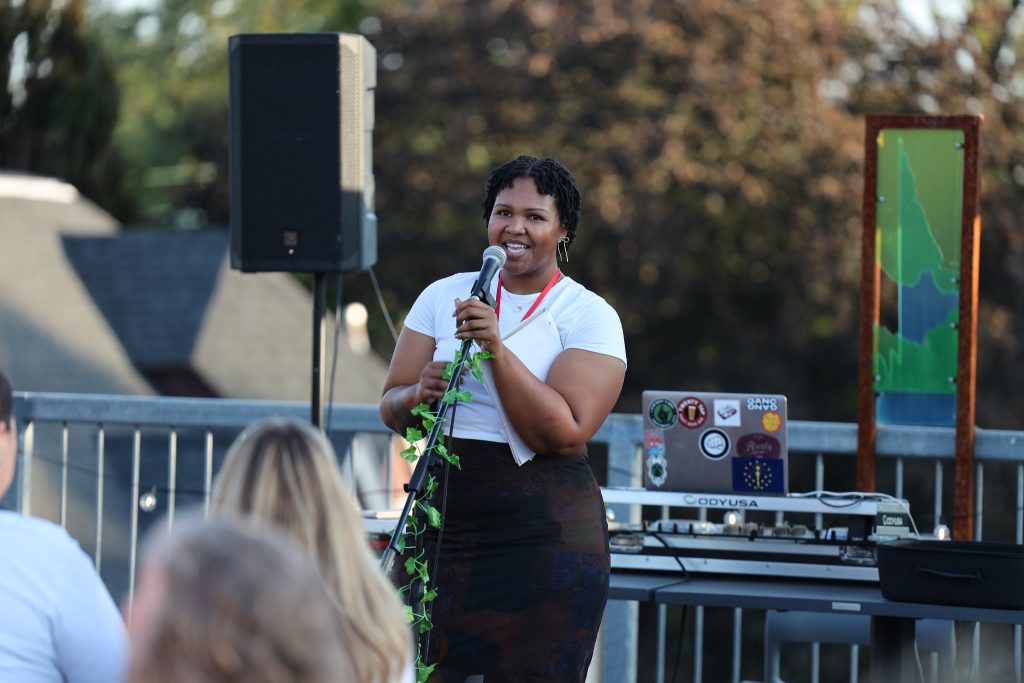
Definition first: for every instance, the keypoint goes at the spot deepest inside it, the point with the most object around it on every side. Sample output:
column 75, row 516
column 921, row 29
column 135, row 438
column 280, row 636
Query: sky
column 922, row 12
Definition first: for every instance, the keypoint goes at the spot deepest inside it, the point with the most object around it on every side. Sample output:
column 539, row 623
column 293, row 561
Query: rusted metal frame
column 963, row 487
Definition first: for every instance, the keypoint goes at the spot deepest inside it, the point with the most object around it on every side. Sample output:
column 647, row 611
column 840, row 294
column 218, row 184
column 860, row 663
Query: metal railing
column 136, row 457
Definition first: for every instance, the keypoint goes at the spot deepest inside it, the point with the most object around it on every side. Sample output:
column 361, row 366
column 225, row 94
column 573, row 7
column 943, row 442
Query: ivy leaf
column 429, row 595
column 433, row 516
column 409, row 454
column 426, row 415
column 409, row 616
column 477, row 373
column 425, row 623
column 431, row 485
column 423, row 671
column 456, row 395
column 424, row 572
column 449, row 370
column 474, row 364
column 450, row 457
column 410, row 566
column 412, row 435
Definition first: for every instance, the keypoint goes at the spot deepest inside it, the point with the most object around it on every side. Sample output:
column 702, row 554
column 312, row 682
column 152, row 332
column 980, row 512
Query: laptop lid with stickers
column 715, row 442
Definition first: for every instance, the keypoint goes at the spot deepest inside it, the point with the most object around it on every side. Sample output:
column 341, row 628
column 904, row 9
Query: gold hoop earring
column 563, row 245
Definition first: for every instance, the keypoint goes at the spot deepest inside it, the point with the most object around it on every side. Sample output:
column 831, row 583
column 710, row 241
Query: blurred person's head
column 8, row 435
column 225, row 601
column 284, row 472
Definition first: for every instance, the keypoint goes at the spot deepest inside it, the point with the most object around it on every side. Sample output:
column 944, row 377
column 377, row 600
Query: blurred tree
column 719, row 145
column 59, row 103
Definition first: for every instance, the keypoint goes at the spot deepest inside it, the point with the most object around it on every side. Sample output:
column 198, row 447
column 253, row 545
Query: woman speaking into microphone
column 522, row 555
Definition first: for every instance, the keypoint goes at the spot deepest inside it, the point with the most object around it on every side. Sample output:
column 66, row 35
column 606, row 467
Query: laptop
column 705, row 442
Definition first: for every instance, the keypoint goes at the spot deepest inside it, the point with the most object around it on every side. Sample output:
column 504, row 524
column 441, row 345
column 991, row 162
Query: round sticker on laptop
column 714, row 443
column 663, row 413
column 692, row 412
column 771, row 421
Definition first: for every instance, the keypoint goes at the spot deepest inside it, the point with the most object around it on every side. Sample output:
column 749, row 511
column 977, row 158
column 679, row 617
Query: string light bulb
column 147, row 501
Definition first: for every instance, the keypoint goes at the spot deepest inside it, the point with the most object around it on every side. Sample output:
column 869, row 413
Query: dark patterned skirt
column 522, row 574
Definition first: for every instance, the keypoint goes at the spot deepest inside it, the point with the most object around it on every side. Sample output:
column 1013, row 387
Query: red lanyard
column 536, row 302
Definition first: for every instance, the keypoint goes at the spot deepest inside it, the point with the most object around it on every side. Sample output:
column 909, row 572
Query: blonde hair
column 235, row 603
column 284, row 472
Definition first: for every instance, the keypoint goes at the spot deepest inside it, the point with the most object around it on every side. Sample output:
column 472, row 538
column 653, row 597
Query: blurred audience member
column 284, row 472
column 225, row 601
column 58, row 623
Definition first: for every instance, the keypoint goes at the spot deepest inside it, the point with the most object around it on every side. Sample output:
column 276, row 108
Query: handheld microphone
column 494, row 259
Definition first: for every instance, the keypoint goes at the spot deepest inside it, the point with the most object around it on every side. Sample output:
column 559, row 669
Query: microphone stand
column 418, row 479
column 419, row 475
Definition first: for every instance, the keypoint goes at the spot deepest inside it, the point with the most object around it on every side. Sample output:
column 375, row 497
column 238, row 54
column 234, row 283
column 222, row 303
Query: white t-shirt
column 58, row 623
column 584, row 321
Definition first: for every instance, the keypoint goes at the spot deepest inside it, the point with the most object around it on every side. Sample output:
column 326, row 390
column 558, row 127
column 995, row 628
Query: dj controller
column 837, row 539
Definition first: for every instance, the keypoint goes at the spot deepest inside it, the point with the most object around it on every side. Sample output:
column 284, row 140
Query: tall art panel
column 919, row 291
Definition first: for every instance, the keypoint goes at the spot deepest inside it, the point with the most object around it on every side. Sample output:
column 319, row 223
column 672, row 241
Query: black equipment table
column 892, row 623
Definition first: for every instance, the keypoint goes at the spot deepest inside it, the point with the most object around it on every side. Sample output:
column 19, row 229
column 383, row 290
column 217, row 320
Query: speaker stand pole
column 316, row 405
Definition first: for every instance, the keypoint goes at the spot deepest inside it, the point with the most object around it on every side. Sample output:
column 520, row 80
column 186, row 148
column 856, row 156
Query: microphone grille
column 497, row 253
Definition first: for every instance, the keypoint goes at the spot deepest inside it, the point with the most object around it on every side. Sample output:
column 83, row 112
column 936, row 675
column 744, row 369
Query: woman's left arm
column 559, row 415
column 562, row 414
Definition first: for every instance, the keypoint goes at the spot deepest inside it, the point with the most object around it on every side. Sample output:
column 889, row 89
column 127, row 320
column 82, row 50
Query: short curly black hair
column 551, row 177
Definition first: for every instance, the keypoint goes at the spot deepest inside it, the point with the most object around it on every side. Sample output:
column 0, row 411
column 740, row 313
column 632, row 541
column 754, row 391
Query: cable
column 679, row 644
column 686, row 577
column 856, row 497
column 337, row 332
column 446, row 465
column 334, row 353
column 383, row 306
column 654, row 534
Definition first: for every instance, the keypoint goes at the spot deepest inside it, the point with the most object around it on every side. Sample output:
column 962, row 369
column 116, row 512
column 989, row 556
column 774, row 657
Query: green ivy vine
column 418, row 594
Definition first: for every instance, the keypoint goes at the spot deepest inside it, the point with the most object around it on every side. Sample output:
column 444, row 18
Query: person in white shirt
column 58, row 622
column 522, row 560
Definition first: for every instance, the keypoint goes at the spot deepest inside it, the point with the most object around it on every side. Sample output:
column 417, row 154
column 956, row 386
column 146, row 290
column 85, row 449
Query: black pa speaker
column 301, row 161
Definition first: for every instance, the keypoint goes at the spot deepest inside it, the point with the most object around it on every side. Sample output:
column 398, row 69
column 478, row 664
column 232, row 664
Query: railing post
column 620, row 624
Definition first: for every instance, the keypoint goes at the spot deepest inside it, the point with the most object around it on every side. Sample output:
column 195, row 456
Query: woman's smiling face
column 526, row 224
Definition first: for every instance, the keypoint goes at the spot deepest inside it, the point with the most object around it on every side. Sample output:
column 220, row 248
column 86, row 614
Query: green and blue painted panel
column 917, row 246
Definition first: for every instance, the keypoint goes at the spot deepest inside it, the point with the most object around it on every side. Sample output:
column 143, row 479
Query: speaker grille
column 291, row 154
